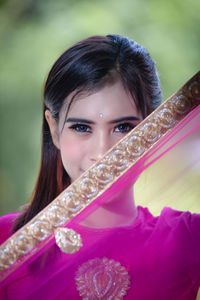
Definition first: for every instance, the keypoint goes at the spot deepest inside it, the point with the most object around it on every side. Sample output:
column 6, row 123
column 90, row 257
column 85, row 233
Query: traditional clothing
column 153, row 258
column 160, row 256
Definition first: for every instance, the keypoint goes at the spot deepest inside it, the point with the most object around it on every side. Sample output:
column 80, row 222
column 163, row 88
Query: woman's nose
column 99, row 146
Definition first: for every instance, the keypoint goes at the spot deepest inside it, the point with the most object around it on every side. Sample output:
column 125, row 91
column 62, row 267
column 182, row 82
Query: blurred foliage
column 33, row 33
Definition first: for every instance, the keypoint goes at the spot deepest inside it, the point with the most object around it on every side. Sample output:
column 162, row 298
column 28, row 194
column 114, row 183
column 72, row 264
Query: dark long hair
column 87, row 66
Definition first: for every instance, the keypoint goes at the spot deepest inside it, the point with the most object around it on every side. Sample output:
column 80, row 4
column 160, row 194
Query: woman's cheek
column 71, row 149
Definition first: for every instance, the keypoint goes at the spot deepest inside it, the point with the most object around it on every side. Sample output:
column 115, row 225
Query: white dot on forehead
column 100, row 115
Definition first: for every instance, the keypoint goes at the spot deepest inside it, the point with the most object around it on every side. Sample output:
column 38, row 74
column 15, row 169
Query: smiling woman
column 82, row 136
column 109, row 69
column 96, row 142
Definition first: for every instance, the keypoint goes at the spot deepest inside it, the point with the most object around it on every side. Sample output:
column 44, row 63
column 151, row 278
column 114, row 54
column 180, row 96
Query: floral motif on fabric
column 102, row 278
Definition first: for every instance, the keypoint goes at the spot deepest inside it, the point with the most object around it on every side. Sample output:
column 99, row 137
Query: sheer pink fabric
column 160, row 254
column 153, row 258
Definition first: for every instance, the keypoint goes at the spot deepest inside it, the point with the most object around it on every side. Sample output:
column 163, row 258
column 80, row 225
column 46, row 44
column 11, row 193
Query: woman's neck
column 118, row 211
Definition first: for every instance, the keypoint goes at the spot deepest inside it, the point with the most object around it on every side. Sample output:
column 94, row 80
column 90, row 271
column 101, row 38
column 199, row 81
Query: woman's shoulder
column 173, row 218
column 174, row 222
column 182, row 226
column 6, row 223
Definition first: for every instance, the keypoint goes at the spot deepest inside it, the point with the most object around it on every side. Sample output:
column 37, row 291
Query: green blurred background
column 33, row 33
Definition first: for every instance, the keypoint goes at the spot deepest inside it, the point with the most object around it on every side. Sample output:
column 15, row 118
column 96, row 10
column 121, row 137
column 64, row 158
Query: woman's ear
column 53, row 128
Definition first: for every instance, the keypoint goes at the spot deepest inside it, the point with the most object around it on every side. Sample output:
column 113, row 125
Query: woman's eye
column 125, row 127
column 80, row 128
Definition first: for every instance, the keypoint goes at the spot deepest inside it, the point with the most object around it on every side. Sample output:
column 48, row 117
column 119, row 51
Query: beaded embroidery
column 102, row 279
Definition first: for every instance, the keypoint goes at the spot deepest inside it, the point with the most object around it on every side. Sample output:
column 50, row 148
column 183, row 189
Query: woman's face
column 93, row 125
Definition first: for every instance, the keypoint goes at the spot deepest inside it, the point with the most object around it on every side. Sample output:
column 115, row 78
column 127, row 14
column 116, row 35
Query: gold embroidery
column 68, row 240
column 40, row 230
column 97, row 179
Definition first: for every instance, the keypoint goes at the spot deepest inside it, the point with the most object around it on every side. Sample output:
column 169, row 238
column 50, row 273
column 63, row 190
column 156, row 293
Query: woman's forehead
column 111, row 100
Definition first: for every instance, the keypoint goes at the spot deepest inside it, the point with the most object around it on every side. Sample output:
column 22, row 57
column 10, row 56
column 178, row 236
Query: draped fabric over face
column 55, row 257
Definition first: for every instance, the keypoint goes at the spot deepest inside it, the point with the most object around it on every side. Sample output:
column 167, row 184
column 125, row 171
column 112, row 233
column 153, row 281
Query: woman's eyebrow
column 128, row 118
column 78, row 120
column 122, row 119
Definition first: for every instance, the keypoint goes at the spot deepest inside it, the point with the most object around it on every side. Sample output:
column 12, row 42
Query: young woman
column 95, row 94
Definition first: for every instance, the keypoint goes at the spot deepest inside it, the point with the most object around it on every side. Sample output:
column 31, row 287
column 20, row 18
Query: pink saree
column 55, row 257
